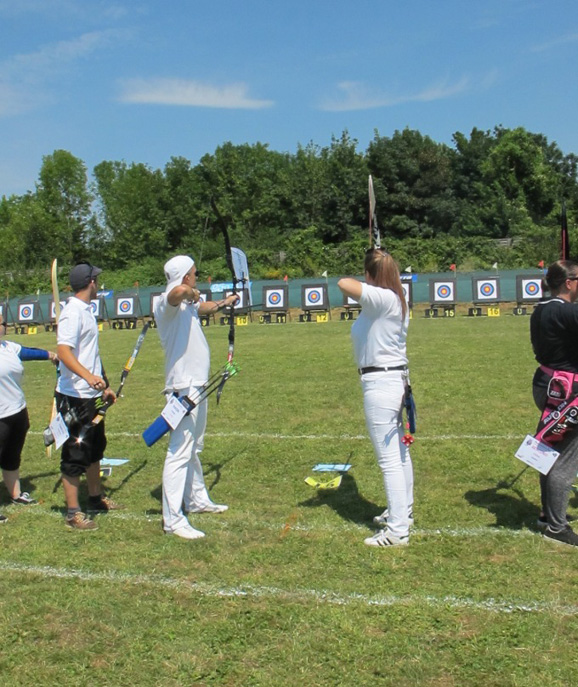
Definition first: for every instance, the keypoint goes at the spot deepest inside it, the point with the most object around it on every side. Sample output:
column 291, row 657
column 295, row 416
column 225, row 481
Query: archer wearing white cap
column 187, row 361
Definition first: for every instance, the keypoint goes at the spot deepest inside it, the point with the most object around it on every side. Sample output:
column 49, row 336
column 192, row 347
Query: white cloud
column 557, row 42
column 189, row 93
column 25, row 78
column 358, row 96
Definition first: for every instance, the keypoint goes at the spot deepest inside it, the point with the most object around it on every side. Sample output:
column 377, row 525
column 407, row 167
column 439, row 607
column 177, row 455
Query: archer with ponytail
column 379, row 341
column 554, row 336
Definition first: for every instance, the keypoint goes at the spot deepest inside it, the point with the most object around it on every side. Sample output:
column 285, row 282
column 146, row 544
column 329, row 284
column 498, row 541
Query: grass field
column 282, row 590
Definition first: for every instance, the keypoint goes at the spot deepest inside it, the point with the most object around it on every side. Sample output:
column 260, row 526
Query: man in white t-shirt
column 82, row 380
column 187, row 363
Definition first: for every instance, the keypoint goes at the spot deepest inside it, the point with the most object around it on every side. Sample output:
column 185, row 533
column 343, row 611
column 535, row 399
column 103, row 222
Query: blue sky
column 145, row 80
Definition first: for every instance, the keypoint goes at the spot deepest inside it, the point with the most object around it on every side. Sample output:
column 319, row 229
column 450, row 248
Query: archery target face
column 531, row 289
column 26, row 312
column 444, row 292
column 95, row 307
column 125, row 307
column 275, row 298
column 202, row 298
column 351, row 301
column 314, row 297
column 242, row 298
column 486, row 290
column 53, row 309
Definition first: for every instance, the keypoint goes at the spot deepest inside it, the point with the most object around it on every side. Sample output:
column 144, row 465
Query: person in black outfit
column 554, row 336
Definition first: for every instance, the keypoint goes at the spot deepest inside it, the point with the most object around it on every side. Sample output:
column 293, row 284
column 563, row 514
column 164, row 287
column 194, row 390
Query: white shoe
column 209, row 508
column 188, row 533
column 381, row 520
column 385, row 538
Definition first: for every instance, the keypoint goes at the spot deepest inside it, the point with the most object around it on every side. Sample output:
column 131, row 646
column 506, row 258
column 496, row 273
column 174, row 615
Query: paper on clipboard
column 536, row 454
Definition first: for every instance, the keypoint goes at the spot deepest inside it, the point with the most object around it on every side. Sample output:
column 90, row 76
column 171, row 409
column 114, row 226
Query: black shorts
column 86, row 443
column 13, row 430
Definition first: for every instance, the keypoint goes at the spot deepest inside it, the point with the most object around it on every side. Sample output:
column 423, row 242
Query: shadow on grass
column 346, row 501
column 157, row 492
column 126, row 479
column 512, row 510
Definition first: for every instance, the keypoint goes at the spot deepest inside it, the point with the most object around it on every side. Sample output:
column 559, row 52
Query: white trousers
column 383, row 395
column 183, row 481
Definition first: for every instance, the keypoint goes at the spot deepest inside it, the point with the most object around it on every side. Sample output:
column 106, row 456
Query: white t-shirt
column 11, row 370
column 379, row 333
column 77, row 328
column 187, row 355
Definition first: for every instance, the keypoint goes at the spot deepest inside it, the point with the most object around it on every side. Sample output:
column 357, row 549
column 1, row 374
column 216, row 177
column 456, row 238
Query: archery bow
column 236, row 278
column 564, row 241
column 103, row 406
column 374, row 235
column 56, row 302
column 160, row 426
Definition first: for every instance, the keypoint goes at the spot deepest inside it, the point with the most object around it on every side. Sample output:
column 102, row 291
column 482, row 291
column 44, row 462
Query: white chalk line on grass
column 296, row 595
column 332, row 437
column 223, row 522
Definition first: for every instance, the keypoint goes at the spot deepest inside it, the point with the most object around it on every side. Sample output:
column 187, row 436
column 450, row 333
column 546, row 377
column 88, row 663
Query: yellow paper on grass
column 332, row 484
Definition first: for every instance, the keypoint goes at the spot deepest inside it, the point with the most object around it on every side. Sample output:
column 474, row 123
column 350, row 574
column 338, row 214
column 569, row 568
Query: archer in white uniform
column 82, row 380
column 379, row 341
column 14, row 421
column 187, row 363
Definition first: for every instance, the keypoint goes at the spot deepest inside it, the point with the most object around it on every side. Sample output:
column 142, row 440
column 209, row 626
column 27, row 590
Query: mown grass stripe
column 297, row 595
column 223, row 522
column 332, row 437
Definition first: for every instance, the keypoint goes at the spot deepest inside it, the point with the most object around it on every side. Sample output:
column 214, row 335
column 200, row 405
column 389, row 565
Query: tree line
column 492, row 196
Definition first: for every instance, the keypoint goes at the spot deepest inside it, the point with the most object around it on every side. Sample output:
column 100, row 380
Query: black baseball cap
column 82, row 274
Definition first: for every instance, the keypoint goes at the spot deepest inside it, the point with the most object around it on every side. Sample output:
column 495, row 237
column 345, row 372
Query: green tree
column 132, row 210
column 62, row 190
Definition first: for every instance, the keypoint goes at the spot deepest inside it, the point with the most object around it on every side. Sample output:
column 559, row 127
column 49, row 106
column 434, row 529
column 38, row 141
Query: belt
column 365, row 370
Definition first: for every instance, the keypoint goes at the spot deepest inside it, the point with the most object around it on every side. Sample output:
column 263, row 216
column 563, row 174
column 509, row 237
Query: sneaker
column 385, row 538
column 105, row 504
column 209, row 508
column 542, row 521
column 24, row 499
column 3, row 518
column 79, row 521
column 381, row 520
column 187, row 533
column 566, row 536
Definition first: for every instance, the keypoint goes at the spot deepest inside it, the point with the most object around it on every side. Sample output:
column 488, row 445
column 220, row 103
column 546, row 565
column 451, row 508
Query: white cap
column 175, row 270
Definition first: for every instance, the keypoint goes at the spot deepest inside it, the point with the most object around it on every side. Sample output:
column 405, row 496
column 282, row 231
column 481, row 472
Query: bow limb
column 230, row 265
column 374, row 235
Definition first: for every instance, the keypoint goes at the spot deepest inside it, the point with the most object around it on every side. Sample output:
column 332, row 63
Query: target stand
column 51, row 325
column 315, row 303
column 275, row 305
column 351, row 309
column 407, row 286
column 127, row 310
column 442, row 298
column 485, row 295
column 6, row 313
column 28, row 316
column 528, row 292
column 153, row 298
column 241, row 311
